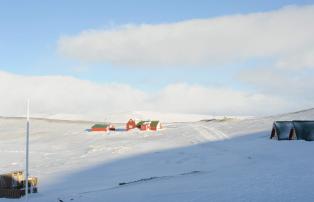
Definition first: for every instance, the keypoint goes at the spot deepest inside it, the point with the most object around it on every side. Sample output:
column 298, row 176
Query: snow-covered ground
column 222, row 160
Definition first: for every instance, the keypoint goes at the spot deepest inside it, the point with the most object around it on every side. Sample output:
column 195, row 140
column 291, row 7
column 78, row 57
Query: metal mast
column 27, row 150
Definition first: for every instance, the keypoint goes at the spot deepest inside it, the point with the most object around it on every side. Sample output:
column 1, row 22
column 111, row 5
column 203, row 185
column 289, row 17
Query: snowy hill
column 123, row 117
column 219, row 160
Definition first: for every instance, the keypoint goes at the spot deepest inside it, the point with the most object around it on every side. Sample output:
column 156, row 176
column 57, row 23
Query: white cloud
column 293, row 85
column 222, row 101
column 281, row 35
column 64, row 95
column 52, row 95
column 303, row 59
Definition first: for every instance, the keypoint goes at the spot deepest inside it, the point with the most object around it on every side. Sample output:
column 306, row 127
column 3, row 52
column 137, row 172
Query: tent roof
column 304, row 130
column 283, row 129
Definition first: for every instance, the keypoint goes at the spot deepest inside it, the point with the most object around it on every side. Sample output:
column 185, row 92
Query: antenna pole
column 27, row 150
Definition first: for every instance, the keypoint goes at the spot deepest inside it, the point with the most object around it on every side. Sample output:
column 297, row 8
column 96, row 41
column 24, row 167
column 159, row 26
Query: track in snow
column 207, row 133
column 125, row 184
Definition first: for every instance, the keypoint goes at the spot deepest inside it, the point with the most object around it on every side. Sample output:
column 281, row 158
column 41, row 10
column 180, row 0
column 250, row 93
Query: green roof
column 154, row 123
column 101, row 125
column 140, row 123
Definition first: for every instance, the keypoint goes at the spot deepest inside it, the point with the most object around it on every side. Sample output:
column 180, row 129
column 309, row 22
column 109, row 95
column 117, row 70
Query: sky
column 202, row 57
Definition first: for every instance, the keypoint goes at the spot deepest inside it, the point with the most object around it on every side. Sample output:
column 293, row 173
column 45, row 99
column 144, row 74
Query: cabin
column 155, row 125
column 139, row 124
column 145, row 126
column 149, row 125
column 105, row 127
column 131, row 124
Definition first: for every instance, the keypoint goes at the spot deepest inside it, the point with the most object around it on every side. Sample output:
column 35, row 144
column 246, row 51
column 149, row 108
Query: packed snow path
column 202, row 161
column 209, row 133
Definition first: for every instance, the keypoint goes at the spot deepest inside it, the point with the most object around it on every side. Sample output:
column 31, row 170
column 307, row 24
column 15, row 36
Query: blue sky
column 217, row 57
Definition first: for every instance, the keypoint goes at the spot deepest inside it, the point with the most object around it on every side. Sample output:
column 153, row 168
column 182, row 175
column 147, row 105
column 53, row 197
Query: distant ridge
column 46, row 119
column 305, row 114
column 123, row 117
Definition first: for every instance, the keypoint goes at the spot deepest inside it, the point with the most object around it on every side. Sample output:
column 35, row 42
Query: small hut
column 139, row 124
column 145, row 126
column 149, row 125
column 102, row 127
column 155, row 125
column 131, row 124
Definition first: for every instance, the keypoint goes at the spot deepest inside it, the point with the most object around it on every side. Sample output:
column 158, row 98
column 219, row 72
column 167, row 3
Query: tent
column 303, row 130
column 281, row 130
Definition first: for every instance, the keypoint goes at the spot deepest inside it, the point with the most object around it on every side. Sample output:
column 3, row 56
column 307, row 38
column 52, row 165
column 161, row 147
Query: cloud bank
column 282, row 38
column 53, row 95
column 293, row 85
column 284, row 35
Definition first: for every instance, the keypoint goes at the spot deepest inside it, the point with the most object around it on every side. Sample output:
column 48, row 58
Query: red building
column 145, row 126
column 130, row 124
column 102, row 127
column 155, row 125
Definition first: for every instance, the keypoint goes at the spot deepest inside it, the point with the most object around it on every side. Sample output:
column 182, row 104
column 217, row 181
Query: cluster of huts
column 131, row 124
column 293, row 130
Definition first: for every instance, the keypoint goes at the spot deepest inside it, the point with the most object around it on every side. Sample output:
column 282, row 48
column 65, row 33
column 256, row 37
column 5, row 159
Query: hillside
column 220, row 160
column 122, row 117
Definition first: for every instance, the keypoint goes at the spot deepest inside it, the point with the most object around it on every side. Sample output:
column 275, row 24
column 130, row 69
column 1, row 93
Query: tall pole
column 27, row 150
